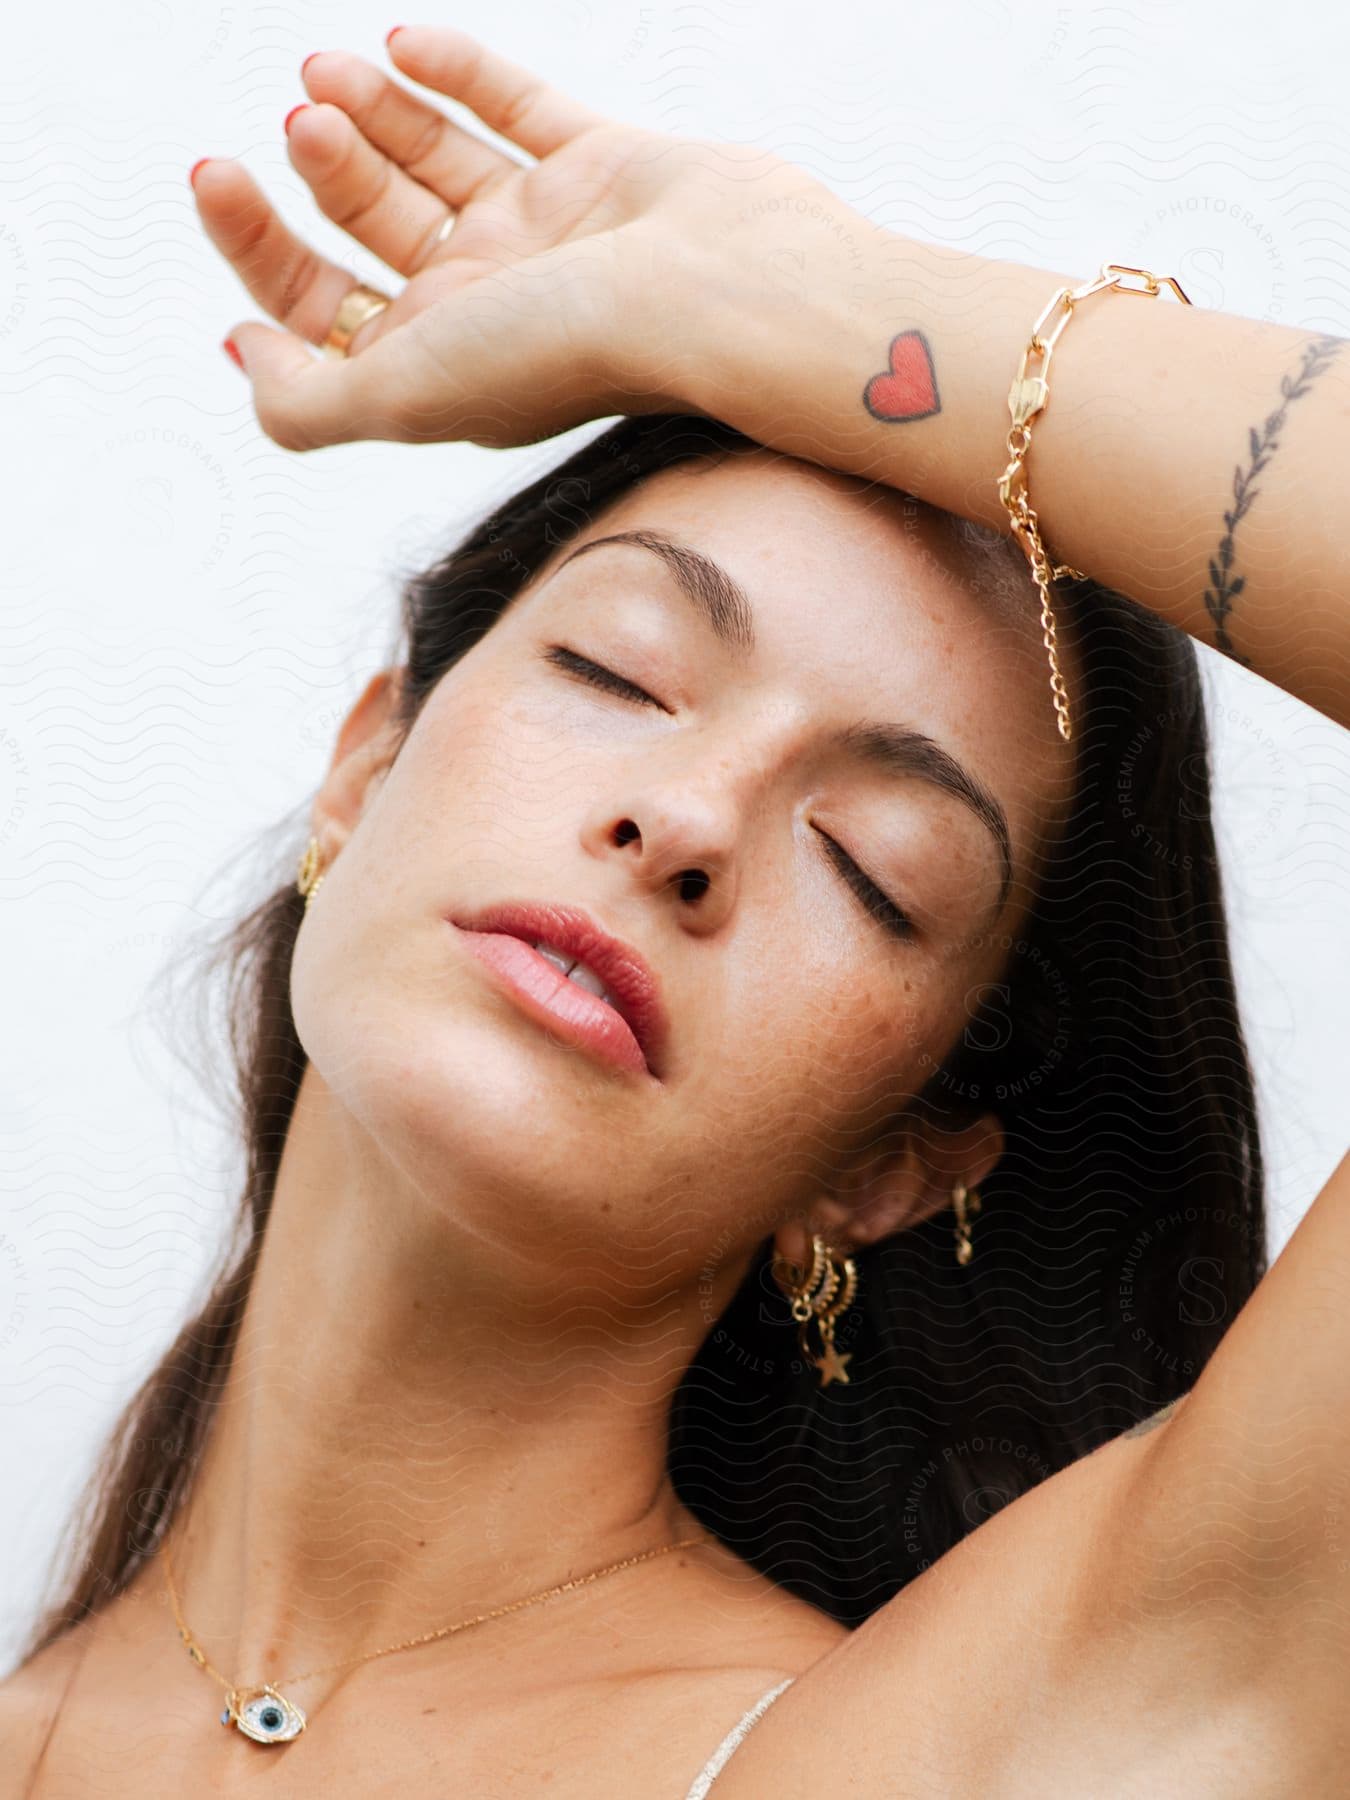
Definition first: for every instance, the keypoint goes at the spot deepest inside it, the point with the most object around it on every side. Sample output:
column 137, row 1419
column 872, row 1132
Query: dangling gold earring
column 965, row 1200
column 309, row 877
column 838, row 1283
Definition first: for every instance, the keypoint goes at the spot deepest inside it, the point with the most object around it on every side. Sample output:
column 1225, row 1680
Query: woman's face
column 800, row 1015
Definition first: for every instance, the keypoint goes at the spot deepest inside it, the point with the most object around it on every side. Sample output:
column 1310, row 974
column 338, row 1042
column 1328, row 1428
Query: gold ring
column 358, row 304
column 447, row 225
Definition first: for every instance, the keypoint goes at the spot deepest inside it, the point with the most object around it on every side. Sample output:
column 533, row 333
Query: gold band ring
column 361, row 302
column 447, row 225
column 358, row 305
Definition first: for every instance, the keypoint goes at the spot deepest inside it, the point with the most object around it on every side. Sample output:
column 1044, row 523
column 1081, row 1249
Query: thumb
column 305, row 399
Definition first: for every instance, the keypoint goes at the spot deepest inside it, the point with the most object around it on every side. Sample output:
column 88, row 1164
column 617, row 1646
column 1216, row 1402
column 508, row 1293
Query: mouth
column 585, row 985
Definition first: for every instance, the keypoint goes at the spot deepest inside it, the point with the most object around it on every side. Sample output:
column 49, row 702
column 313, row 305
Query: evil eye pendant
column 266, row 1716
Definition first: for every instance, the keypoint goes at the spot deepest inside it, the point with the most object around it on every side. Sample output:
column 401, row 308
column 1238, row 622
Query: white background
column 188, row 610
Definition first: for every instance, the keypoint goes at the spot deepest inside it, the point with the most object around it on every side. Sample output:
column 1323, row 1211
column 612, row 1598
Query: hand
column 547, row 306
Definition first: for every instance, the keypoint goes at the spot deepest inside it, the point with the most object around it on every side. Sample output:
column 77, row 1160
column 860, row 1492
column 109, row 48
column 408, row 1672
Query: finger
column 305, row 402
column 299, row 288
column 361, row 190
column 507, row 98
column 453, row 163
column 485, row 364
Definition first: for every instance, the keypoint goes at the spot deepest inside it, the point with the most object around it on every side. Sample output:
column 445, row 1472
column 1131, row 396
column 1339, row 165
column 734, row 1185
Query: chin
column 476, row 1107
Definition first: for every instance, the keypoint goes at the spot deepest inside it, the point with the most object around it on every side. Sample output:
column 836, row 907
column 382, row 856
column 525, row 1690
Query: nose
column 679, row 833
column 682, row 813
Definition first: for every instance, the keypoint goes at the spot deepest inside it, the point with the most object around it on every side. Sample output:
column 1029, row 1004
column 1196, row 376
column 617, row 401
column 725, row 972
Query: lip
column 631, row 1034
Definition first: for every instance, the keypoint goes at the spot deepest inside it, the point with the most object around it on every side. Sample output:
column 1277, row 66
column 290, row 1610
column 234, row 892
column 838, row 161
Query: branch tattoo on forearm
column 1224, row 587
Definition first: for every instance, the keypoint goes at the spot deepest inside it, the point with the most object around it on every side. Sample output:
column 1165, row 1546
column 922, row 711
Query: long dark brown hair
column 1119, row 1235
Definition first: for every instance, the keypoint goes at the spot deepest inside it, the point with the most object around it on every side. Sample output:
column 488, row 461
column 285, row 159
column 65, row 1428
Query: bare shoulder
column 664, row 1672
column 1016, row 1662
column 30, row 1699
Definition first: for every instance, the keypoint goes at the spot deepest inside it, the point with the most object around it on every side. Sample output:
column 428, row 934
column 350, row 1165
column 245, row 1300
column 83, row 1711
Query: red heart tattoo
column 908, row 390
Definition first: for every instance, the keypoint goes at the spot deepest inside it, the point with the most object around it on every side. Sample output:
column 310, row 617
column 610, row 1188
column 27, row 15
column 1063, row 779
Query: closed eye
column 882, row 908
column 597, row 675
column 878, row 905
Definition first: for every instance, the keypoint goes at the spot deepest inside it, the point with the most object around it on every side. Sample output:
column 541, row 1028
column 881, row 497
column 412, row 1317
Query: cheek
column 791, row 1069
column 368, row 945
column 883, row 1048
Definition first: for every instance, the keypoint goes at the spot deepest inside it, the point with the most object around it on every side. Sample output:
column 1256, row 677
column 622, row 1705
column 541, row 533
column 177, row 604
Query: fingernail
column 390, row 33
column 231, row 350
column 308, row 60
column 192, row 172
column 291, row 114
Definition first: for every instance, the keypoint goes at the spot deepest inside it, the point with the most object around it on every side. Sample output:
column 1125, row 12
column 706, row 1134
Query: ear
column 896, row 1185
column 361, row 759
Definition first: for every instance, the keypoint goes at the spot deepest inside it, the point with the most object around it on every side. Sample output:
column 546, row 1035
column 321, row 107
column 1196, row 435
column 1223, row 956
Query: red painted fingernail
column 308, row 60
column 231, row 350
column 291, row 114
column 390, row 34
column 192, row 172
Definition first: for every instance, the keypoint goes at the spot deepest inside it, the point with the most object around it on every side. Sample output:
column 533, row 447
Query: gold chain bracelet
column 1028, row 396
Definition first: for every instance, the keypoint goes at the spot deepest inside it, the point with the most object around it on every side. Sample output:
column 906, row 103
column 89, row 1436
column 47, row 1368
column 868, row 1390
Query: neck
column 418, row 1425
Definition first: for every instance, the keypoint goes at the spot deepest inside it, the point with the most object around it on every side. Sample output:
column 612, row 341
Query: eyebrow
column 898, row 750
column 718, row 596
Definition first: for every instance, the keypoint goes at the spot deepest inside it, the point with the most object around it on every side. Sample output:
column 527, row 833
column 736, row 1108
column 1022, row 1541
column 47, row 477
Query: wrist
column 791, row 268
column 762, row 252
column 819, row 312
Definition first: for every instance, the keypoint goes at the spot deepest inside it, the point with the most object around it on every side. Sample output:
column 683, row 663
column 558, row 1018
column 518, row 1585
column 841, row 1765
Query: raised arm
column 1193, row 460
column 1235, row 1528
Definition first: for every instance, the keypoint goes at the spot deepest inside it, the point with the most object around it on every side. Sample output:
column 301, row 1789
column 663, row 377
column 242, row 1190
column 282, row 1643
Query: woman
column 517, row 1318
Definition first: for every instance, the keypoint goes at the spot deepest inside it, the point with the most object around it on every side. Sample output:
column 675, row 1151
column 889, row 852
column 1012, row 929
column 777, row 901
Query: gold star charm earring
column 834, row 1279
column 309, row 876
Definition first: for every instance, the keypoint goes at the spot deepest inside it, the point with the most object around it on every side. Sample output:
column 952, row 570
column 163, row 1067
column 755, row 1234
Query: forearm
column 1170, row 430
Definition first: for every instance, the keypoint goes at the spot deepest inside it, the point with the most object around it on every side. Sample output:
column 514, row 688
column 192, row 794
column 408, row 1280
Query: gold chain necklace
column 265, row 1715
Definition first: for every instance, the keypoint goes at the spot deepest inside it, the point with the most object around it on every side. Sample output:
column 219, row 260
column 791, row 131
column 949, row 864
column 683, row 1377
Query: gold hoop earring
column 966, row 1201
column 834, row 1279
column 309, row 876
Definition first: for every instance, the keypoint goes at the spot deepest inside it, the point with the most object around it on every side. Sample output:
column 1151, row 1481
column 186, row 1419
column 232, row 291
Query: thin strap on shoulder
column 723, row 1753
